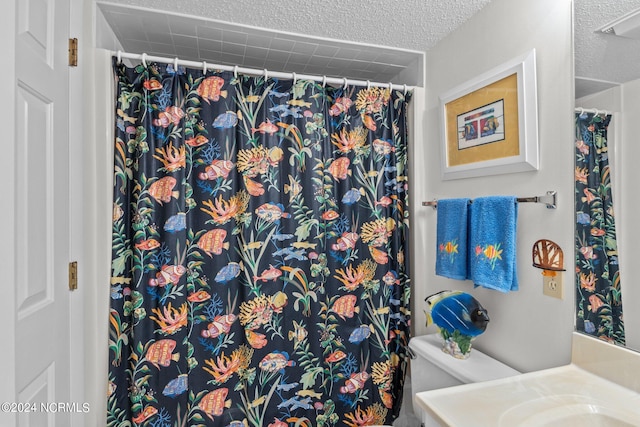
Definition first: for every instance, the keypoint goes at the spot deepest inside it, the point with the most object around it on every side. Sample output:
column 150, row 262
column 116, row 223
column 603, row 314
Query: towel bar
column 550, row 199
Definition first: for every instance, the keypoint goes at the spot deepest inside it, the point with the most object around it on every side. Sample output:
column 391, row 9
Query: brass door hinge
column 73, row 276
column 73, row 52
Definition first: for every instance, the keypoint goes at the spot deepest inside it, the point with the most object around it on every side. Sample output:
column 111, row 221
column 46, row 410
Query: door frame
column 78, row 243
column 7, row 216
column 8, row 312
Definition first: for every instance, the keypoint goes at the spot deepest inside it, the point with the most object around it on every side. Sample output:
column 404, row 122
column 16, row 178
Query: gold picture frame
column 489, row 124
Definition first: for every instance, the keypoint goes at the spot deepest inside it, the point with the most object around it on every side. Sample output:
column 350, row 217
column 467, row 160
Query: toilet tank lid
column 478, row 367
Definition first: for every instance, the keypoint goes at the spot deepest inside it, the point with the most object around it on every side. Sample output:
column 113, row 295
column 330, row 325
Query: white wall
column 528, row 330
column 624, row 151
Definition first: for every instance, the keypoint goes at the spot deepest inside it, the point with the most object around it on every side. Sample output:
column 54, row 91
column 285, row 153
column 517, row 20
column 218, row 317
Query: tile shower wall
column 168, row 34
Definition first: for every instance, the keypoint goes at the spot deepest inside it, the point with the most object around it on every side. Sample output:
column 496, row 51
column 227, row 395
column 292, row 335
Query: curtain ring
column 266, row 74
column 324, row 81
column 405, row 89
column 368, row 85
column 295, row 78
column 235, row 71
column 175, row 64
column 144, row 60
column 119, row 57
column 204, row 67
column 345, row 84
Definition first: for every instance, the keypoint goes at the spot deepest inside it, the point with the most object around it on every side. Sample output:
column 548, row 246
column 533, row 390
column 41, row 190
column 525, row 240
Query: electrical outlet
column 552, row 285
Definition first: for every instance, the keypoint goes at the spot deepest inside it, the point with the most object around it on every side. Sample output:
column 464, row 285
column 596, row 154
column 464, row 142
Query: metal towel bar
column 550, row 199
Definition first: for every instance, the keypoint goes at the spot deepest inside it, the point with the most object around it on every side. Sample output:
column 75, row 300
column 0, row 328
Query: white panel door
column 40, row 223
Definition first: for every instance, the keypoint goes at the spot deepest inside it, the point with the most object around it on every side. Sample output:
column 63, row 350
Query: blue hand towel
column 451, row 260
column 492, row 242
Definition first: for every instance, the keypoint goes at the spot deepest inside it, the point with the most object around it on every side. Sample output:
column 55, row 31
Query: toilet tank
column 432, row 368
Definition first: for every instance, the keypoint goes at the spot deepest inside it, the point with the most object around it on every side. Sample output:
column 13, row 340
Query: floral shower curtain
column 599, row 305
column 260, row 251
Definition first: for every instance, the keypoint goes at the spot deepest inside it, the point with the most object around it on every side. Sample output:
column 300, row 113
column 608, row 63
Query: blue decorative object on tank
column 459, row 318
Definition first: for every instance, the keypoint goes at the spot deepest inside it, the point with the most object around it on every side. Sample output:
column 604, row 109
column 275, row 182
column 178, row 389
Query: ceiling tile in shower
column 359, row 65
column 208, row 55
column 273, row 65
column 229, row 58
column 212, row 45
column 139, row 45
column 234, row 37
column 298, row 58
column 161, row 37
column 326, row 50
column 141, row 30
column 370, row 75
column 159, row 23
column 162, row 49
column 304, row 48
column 339, row 62
column 192, row 52
column 234, row 48
column 319, row 61
column 208, row 33
column 181, row 41
column 384, row 74
column 386, row 58
column 257, row 63
column 346, row 53
column 374, row 66
column 255, row 52
column 183, row 26
column 366, row 55
column 136, row 34
column 278, row 55
column 256, row 40
column 282, row 44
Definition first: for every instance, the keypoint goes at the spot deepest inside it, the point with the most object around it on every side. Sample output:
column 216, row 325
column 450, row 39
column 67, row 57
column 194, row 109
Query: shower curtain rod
column 254, row 71
column 592, row 110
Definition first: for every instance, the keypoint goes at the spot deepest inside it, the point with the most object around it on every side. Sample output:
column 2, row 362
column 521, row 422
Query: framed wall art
column 490, row 123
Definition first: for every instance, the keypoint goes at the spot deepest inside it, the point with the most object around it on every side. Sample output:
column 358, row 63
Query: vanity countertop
column 568, row 395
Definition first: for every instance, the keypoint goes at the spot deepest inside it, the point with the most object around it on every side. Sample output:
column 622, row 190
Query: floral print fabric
column 599, row 302
column 260, row 252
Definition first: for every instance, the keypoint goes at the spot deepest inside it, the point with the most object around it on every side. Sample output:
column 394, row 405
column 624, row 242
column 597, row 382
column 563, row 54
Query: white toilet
column 432, row 369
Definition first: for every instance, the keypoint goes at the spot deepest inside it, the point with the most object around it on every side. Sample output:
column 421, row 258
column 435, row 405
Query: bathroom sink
column 553, row 411
column 576, row 415
column 564, row 396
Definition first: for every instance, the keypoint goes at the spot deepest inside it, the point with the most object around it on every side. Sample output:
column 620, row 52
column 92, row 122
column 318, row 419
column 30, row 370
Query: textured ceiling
column 603, row 60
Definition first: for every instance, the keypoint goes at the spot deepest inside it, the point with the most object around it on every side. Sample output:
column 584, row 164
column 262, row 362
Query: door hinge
column 73, row 52
column 73, row 275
